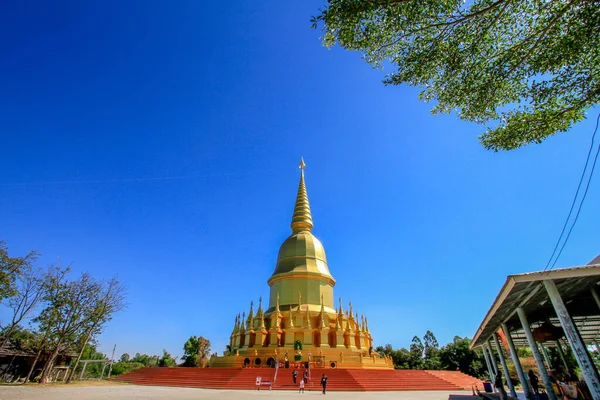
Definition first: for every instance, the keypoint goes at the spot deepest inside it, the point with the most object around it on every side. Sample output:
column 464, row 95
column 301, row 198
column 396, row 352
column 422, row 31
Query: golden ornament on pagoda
column 301, row 318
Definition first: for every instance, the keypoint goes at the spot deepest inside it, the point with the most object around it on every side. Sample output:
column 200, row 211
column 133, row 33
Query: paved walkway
column 132, row 392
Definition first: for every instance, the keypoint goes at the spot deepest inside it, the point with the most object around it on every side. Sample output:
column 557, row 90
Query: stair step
column 339, row 379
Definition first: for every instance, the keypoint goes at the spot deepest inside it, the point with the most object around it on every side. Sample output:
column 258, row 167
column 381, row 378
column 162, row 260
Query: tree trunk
column 50, row 363
column 37, row 357
column 72, row 371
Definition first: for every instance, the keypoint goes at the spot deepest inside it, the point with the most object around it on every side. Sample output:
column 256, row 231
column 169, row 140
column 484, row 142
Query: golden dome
column 302, row 252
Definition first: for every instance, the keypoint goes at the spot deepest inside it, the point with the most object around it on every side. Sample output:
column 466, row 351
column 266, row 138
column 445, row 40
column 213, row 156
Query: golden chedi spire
column 277, row 310
column 322, row 315
column 236, row 326
column 291, row 320
column 301, row 262
column 302, row 218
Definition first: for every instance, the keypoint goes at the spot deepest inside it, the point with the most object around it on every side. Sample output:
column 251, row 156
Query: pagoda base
column 331, row 357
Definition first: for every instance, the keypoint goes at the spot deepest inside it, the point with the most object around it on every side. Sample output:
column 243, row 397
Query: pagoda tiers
column 301, row 323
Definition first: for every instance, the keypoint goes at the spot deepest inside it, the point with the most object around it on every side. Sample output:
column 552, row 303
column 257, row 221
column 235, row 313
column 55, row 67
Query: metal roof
column 527, row 291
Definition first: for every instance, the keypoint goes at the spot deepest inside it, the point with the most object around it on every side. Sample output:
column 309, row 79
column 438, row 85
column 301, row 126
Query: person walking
column 324, row 383
column 301, row 386
column 294, row 375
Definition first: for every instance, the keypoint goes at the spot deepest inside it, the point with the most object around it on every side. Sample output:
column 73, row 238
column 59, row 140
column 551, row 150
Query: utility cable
column 575, row 200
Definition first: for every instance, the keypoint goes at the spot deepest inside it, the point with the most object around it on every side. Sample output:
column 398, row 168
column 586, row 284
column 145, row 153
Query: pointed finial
column 308, row 326
column 261, row 323
column 348, row 327
column 341, row 312
column 299, row 300
column 302, row 218
column 291, row 324
column 351, row 313
column 277, row 304
column 260, row 303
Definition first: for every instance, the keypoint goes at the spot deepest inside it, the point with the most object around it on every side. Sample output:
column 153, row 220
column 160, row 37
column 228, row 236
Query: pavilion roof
column 527, row 291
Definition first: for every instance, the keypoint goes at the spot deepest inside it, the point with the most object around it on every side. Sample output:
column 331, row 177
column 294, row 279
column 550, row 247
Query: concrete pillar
column 536, row 354
column 487, row 362
column 515, row 359
column 562, row 356
column 504, row 367
column 546, row 356
column 492, row 357
column 588, row 370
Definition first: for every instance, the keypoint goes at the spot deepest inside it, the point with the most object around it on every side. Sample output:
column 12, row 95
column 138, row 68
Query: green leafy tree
column 401, row 358
column 121, row 368
column 27, row 294
column 71, row 307
column 416, row 353
column 167, row 360
column 384, row 350
column 196, row 351
column 431, row 352
column 526, row 69
column 49, row 319
column 125, row 358
column 109, row 300
column 10, row 268
column 458, row 355
column 146, row 360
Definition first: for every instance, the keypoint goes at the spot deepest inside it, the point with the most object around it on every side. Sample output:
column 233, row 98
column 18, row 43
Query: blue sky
column 160, row 142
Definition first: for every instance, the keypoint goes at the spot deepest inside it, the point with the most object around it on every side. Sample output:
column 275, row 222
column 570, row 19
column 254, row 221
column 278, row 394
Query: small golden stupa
column 301, row 323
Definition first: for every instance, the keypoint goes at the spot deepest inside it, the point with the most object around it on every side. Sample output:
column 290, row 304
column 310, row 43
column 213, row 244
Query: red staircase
column 339, row 379
column 372, row 380
column 458, row 378
column 208, row 378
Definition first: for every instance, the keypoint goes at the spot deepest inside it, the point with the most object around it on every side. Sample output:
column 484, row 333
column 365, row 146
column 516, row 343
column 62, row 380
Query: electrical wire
column 575, row 200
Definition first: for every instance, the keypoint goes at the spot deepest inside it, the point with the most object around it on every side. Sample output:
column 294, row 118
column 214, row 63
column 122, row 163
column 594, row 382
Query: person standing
column 305, row 376
column 500, row 386
column 294, row 375
column 533, row 379
column 301, row 386
column 324, row 383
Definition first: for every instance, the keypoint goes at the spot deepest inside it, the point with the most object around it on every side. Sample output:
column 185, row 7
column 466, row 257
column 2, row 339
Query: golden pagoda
column 301, row 323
